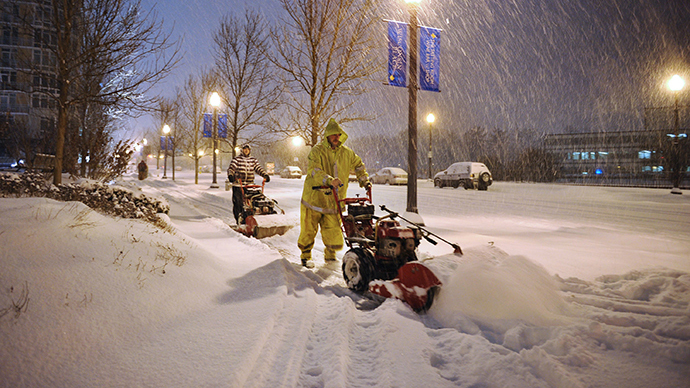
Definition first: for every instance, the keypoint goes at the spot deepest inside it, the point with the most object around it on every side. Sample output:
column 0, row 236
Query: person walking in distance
column 329, row 165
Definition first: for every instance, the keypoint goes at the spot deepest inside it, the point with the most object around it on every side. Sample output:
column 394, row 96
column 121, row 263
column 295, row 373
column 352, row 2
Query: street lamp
column 430, row 119
column 412, row 111
column 215, row 103
column 166, row 131
column 676, row 84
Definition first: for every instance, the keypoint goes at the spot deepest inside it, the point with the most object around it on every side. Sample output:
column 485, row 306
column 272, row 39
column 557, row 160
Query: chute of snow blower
column 260, row 216
column 382, row 256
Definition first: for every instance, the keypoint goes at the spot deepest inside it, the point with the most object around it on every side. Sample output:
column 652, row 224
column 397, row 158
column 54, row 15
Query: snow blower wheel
column 358, row 269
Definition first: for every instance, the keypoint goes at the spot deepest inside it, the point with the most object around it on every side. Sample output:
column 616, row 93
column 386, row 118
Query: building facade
column 27, row 77
column 624, row 158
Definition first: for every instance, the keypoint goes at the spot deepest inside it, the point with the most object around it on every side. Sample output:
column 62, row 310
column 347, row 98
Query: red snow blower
column 382, row 257
column 260, row 215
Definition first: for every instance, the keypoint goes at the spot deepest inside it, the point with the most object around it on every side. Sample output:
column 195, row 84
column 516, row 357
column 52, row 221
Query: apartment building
column 620, row 158
column 27, row 69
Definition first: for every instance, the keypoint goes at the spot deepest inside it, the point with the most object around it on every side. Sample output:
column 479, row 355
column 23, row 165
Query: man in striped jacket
column 241, row 171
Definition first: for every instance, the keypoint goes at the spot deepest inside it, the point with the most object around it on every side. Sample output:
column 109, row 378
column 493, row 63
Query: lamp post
column 430, row 119
column 412, row 110
column 166, row 131
column 215, row 103
column 676, row 84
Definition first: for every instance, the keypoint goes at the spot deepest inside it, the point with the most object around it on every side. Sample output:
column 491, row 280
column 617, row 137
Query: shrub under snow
column 113, row 200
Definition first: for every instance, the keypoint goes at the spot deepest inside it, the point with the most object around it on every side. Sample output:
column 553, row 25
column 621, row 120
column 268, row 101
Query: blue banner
column 397, row 53
column 429, row 58
column 208, row 125
column 167, row 145
column 223, row 126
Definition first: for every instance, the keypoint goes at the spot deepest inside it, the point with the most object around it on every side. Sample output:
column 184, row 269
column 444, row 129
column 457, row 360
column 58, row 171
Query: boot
column 307, row 263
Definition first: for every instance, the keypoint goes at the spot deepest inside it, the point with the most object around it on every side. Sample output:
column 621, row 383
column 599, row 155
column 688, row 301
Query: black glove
column 231, row 178
column 367, row 185
column 267, row 178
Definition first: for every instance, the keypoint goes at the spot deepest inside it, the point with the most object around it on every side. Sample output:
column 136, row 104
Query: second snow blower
column 260, row 216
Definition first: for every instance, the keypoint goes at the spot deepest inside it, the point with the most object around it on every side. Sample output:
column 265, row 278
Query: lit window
column 644, row 154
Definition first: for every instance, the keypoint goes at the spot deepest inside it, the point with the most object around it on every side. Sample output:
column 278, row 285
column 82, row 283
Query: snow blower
column 260, row 216
column 382, row 258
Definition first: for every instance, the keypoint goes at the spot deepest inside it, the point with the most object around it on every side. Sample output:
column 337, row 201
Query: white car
column 390, row 176
column 291, row 172
column 469, row 175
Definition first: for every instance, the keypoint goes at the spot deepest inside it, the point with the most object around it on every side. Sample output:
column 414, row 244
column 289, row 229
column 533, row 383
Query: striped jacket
column 243, row 167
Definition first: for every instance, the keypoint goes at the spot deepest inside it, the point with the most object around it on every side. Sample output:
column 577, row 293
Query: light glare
column 676, row 83
column 215, row 99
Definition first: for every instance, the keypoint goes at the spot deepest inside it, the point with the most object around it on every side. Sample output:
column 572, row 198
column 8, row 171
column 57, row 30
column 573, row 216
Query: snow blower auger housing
column 382, row 257
column 260, row 216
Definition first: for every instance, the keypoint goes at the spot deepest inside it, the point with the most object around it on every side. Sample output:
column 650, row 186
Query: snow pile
column 109, row 199
column 492, row 289
column 557, row 328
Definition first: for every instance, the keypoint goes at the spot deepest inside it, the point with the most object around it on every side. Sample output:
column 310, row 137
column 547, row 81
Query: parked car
column 390, row 176
column 470, row 175
column 291, row 172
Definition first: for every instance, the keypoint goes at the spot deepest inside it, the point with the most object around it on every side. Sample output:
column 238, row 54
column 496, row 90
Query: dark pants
column 237, row 199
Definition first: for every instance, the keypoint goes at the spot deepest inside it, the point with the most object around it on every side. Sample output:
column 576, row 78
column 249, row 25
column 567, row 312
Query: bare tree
column 250, row 87
column 111, row 42
column 193, row 103
column 323, row 49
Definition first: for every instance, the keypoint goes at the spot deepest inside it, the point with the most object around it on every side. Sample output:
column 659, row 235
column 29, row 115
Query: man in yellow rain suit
column 330, row 163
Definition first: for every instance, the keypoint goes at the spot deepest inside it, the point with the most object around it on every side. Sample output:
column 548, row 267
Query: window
column 644, row 154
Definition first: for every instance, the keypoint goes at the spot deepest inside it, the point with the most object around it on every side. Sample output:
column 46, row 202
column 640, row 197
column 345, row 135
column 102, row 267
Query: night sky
column 550, row 65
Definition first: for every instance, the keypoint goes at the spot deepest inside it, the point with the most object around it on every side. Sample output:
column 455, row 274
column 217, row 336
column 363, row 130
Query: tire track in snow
column 277, row 362
column 345, row 349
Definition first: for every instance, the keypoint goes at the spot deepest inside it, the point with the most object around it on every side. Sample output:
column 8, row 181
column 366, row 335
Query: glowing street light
column 166, row 132
column 430, row 118
column 214, row 100
column 676, row 83
column 297, row 141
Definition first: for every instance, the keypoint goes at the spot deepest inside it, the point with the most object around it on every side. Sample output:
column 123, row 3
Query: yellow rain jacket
column 318, row 205
column 325, row 164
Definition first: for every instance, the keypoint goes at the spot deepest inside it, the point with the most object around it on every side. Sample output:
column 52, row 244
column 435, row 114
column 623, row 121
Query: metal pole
column 676, row 149
column 412, row 116
column 165, row 159
column 430, row 130
column 214, row 185
column 172, row 142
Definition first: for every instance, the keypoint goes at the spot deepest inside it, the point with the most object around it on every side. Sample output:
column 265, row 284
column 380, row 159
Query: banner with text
column 167, row 144
column 208, row 125
column 397, row 53
column 222, row 125
column 429, row 58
